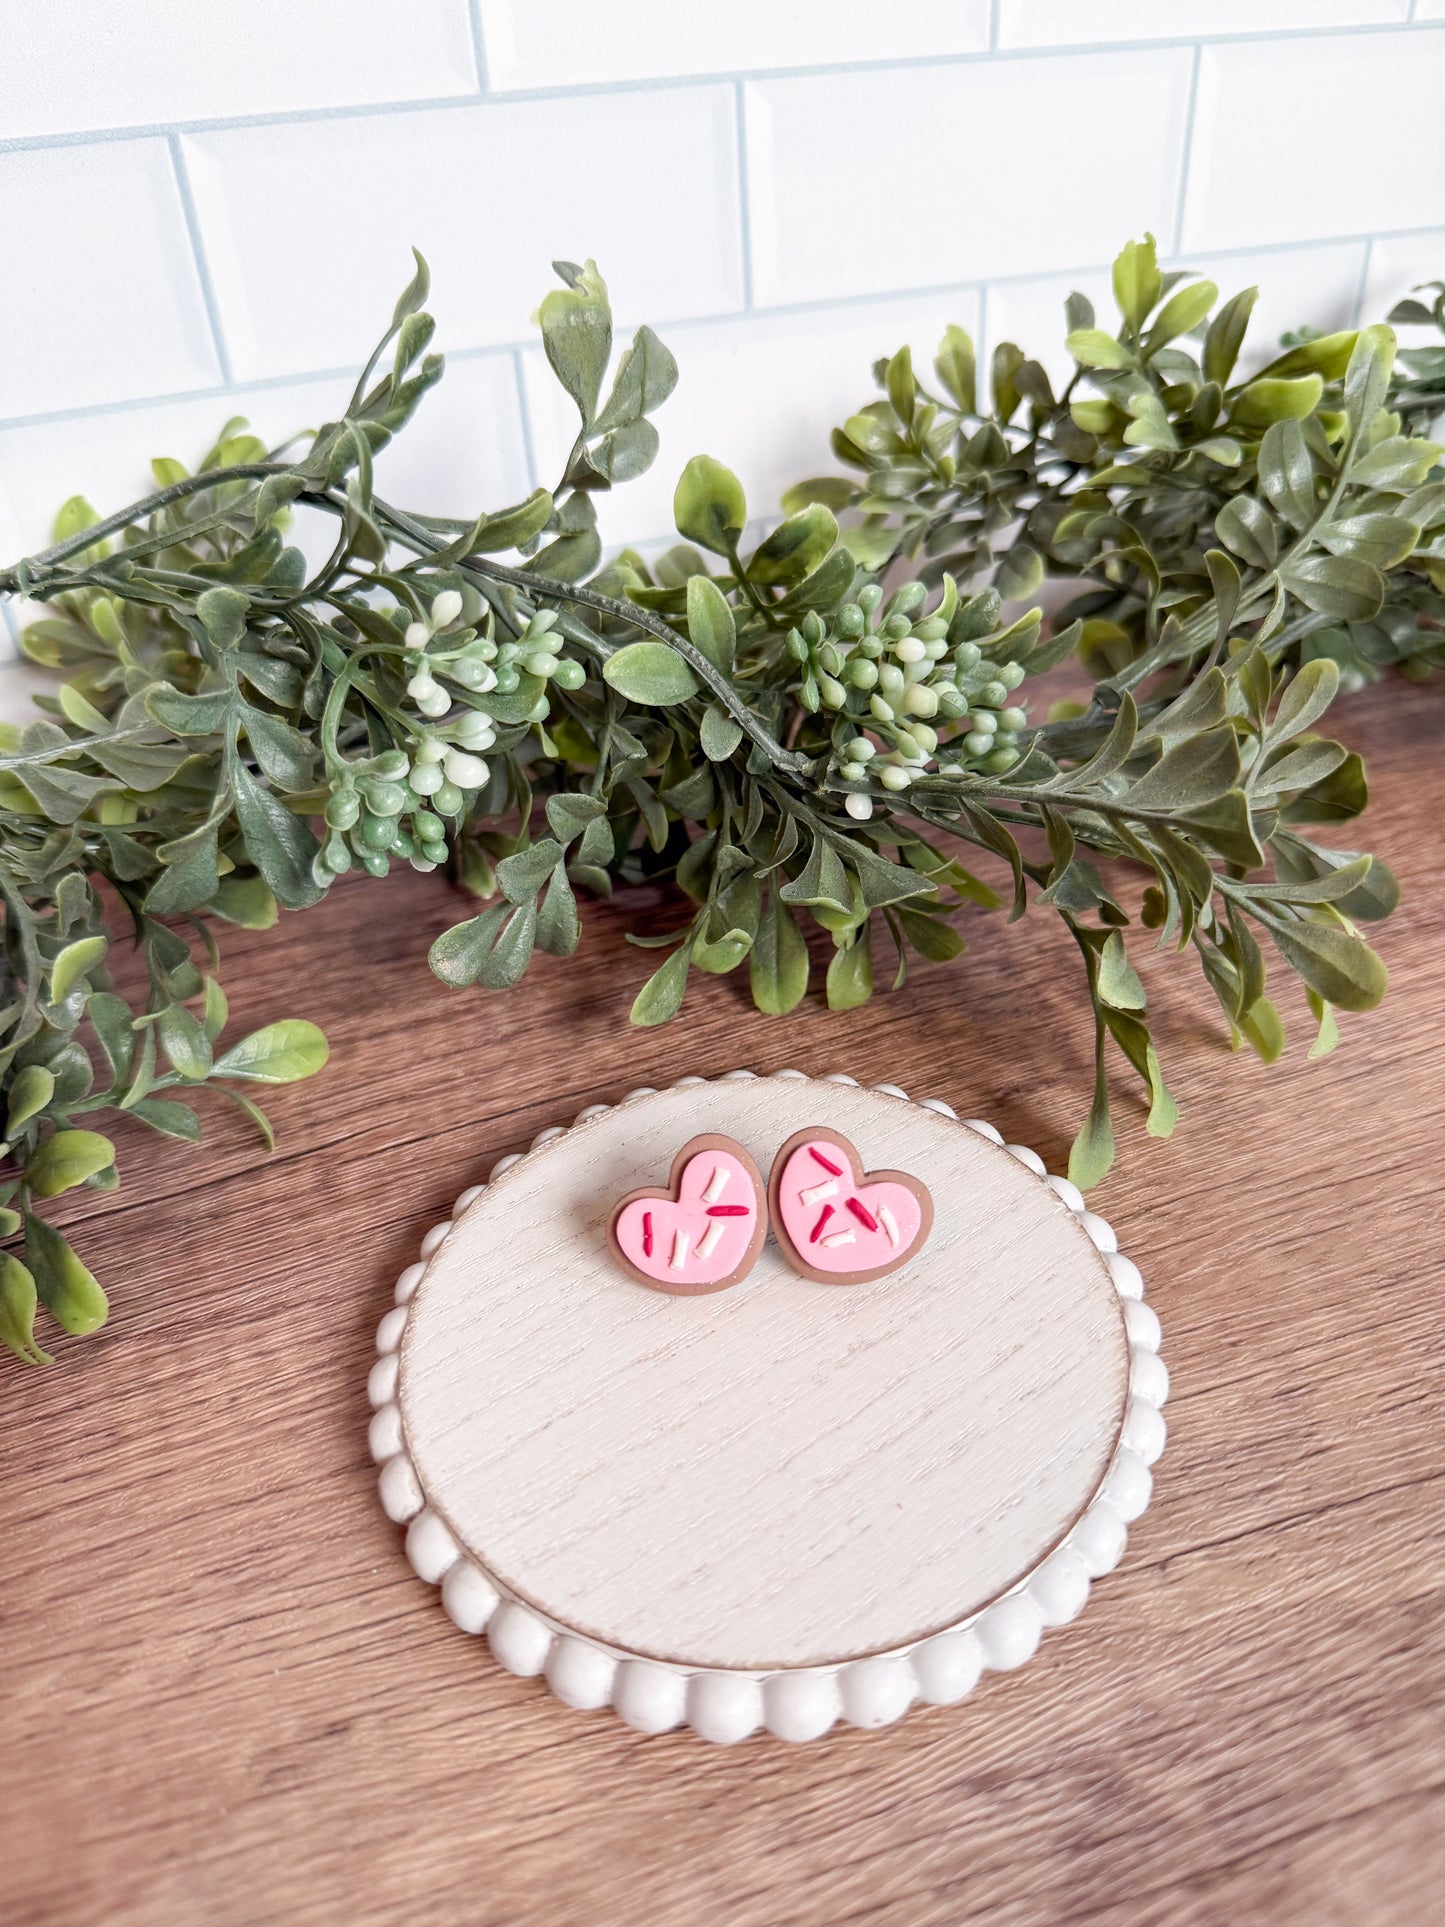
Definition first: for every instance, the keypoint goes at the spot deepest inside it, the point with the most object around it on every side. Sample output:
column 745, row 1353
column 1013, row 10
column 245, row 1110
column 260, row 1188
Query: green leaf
column 1263, row 1028
column 646, row 376
column 1092, row 1152
column 189, row 715
column 1367, row 378
column 285, row 755
column 651, row 673
column 521, row 875
column 709, row 507
column 822, row 880
column 245, row 901
column 719, row 734
column 1336, row 585
column 850, row 974
column 170, row 1118
column 30, row 1091
column 1226, row 336
column 955, row 366
column 73, row 964
column 66, row 1159
column 1244, row 525
column 1383, row 540
column 213, row 1020
column 778, row 963
column 278, row 843
column 1287, row 472
column 932, row 938
column 66, row 1288
column 1326, row 356
column 660, row 998
column 577, row 334
column 1194, row 772
column 1305, row 698
column 1137, row 281
column 718, row 955
column 17, row 1310
column 1118, row 981
column 279, row 1053
column 1331, row 960
column 1183, row 312
column 710, row 621
column 1399, row 462
column 1092, row 348
column 796, row 546
column 184, row 1041
column 569, row 812
column 223, row 613
column 511, row 528
column 492, row 949
column 559, row 929
column 1267, row 400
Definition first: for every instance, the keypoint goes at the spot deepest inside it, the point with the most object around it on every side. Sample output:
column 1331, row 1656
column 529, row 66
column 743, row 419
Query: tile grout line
column 745, row 207
column 682, row 324
column 198, row 256
column 524, row 415
column 1186, row 149
column 995, row 7
column 479, row 47
column 724, row 77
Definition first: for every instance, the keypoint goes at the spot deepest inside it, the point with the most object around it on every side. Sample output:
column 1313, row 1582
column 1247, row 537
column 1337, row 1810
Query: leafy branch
column 273, row 677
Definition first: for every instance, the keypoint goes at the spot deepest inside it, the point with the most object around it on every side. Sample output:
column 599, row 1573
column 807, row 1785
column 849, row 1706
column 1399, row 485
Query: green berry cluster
column 903, row 686
column 402, row 805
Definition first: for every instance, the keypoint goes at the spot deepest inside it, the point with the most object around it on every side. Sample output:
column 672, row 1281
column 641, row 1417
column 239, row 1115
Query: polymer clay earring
column 704, row 1232
column 837, row 1223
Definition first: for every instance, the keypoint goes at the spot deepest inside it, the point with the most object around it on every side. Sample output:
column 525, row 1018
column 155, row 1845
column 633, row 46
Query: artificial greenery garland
column 775, row 732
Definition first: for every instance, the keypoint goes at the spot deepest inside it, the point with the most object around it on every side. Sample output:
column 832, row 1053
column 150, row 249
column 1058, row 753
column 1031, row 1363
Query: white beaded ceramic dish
column 786, row 1504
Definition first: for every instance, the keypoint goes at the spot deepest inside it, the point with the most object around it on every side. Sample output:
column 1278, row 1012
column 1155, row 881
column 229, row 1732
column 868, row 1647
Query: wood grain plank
column 227, row 1699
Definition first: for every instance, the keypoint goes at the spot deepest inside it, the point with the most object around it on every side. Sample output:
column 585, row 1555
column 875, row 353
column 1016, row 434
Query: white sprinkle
column 708, row 1244
column 679, row 1250
column 829, row 1189
column 890, row 1225
column 840, row 1238
column 716, row 1185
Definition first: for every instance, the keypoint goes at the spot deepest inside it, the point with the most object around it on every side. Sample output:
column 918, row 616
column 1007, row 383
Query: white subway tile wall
column 207, row 211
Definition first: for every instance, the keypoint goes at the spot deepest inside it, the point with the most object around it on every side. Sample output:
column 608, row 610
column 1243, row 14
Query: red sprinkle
column 818, row 1227
column 862, row 1213
column 827, row 1163
column 727, row 1211
column 647, row 1234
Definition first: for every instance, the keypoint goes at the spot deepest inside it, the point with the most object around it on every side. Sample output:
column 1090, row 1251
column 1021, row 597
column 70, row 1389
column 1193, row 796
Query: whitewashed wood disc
column 783, row 1478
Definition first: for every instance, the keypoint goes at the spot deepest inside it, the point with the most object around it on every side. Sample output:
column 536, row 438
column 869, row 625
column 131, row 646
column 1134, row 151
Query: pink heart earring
column 704, row 1232
column 837, row 1223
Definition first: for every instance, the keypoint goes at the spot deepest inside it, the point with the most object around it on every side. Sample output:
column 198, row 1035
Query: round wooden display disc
column 784, row 1502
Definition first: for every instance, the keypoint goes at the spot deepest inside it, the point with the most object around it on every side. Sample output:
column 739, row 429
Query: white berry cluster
column 905, row 696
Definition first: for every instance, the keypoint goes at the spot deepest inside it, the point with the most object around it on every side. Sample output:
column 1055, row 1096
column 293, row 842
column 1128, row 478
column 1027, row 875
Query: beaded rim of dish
column 801, row 1703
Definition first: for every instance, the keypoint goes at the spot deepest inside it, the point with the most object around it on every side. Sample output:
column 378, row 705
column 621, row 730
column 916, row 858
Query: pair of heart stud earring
column 833, row 1221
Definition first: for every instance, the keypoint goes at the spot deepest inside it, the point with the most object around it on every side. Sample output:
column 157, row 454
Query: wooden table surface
column 226, row 1699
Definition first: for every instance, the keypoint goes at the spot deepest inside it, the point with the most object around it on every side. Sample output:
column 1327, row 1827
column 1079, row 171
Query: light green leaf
column 719, row 734
column 850, row 974
column 279, row 1053
column 778, row 964
column 66, row 1288
column 184, row 1041
column 66, row 1159
column 17, row 1310
column 955, row 366
column 577, row 335
column 660, row 998
column 74, row 964
column 650, row 673
column 709, row 506
column 30, row 1091
column 710, row 621
column 1137, row 281
column 1092, row 348
column 1226, row 336
column 1336, row 585
column 1269, row 400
